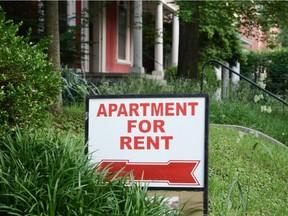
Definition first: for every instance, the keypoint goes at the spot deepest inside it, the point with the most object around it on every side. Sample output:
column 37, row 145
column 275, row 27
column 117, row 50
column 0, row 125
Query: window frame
column 127, row 59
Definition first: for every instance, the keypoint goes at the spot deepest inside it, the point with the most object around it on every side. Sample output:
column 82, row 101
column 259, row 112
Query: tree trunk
column 52, row 30
column 189, row 46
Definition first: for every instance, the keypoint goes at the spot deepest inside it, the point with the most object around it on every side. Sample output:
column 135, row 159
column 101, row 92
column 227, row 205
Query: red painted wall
column 111, row 42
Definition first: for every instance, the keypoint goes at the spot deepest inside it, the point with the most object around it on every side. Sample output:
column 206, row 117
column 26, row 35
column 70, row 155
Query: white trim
column 127, row 39
column 170, row 5
column 124, row 62
column 245, row 40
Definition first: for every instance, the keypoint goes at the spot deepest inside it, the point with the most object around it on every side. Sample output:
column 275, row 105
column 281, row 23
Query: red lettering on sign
column 133, row 111
column 169, row 109
column 158, row 124
column 139, row 143
column 144, row 106
column 112, row 108
column 157, row 109
column 145, row 142
column 122, row 110
column 125, row 141
column 153, row 142
column 144, row 109
column 192, row 105
column 181, row 109
column 146, row 126
column 167, row 141
column 101, row 110
column 156, row 142
column 131, row 124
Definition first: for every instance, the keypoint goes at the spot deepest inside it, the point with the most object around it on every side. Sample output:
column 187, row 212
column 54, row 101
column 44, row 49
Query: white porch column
column 137, row 40
column 234, row 78
column 158, row 52
column 71, row 12
column 175, row 40
column 218, row 72
column 85, row 37
column 225, row 81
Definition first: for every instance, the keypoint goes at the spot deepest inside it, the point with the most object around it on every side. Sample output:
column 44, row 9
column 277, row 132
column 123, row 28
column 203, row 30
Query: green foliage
column 28, row 87
column 220, row 43
column 140, row 85
column 276, row 65
column 170, row 74
column 76, row 88
column 282, row 38
column 211, row 83
column 130, row 85
column 44, row 173
column 249, row 114
column 258, row 173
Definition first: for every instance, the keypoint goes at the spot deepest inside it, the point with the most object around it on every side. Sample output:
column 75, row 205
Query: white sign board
column 161, row 139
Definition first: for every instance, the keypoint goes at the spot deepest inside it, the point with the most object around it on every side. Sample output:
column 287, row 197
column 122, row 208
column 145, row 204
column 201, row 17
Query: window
column 123, row 31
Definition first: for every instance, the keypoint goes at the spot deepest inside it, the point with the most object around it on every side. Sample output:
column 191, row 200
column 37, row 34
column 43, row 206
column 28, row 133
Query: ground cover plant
column 45, row 173
column 257, row 168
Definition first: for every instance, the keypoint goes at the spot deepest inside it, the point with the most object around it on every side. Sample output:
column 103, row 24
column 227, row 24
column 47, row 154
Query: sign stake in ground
column 162, row 140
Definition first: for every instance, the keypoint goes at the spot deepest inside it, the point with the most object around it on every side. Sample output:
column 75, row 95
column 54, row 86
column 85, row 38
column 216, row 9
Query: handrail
column 240, row 75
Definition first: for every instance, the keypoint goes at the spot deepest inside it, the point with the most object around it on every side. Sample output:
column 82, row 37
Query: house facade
column 115, row 35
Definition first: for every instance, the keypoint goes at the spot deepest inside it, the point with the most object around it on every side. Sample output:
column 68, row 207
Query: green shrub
column 28, row 87
column 276, row 65
column 171, row 74
column 76, row 88
column 130, row 85
column 211, row 83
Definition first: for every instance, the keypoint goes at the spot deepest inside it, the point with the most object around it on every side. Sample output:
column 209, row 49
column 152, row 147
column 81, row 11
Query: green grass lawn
column 261, row 173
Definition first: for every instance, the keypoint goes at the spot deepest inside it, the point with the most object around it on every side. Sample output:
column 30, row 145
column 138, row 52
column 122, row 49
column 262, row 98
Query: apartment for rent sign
column 160, row 139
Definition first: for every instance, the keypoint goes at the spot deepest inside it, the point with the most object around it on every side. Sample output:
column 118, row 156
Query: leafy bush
column 171, row 74
column 211, row 83
column 130, row 85
column 76, row 87
column 28, row 87
column 140, row 85
column 43, row 173
column 276, row 64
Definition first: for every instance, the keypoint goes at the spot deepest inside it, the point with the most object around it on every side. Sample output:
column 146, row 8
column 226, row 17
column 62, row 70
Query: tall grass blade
column 235, row 182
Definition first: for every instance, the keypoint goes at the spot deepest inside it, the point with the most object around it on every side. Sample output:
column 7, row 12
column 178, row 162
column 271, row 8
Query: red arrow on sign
column 173, row 172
